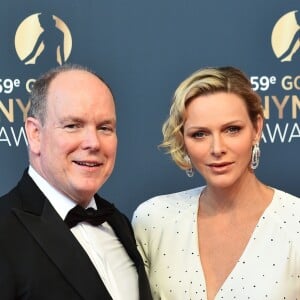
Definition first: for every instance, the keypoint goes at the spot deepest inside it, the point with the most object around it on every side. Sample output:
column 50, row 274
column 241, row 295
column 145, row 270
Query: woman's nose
column 217, row 145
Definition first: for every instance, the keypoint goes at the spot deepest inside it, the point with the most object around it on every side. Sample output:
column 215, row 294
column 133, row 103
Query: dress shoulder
column 168, row 204
column 285, row 209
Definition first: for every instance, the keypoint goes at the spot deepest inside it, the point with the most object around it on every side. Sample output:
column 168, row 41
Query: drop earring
column 255, row 156
column 189, row 172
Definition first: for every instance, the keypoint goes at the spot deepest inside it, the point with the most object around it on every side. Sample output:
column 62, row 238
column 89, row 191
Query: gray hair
column 39, row 91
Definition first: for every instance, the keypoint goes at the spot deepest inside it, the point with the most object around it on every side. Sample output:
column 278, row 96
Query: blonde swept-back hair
column 203, row 82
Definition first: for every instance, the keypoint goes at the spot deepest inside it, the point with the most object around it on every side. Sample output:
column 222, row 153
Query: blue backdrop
column 144, row 49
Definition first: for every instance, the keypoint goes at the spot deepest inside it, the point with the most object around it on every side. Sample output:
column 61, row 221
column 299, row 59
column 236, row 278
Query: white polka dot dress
column 269, row 268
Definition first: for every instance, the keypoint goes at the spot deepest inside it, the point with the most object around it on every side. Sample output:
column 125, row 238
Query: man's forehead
column 71, row 80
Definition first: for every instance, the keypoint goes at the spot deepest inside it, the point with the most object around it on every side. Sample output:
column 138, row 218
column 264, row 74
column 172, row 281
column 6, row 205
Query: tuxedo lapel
column 123, row 230
column 57, row 241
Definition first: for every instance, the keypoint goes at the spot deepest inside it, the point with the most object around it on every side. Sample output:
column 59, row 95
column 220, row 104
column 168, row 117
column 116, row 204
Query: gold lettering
column 295, row 105
column 266, row 106
column 279, row 105
column 29, row 84
column 23, row 108
column 296, row 84
column 287, row 83
column 9, row 114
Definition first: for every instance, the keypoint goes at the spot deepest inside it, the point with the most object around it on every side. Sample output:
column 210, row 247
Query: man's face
column 77, row 145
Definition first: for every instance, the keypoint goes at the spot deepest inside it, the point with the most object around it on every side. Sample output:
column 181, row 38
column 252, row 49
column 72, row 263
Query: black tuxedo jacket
column 40, row 259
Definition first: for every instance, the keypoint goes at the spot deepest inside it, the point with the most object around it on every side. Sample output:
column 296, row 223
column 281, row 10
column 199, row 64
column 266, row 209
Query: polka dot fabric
column 269, row 268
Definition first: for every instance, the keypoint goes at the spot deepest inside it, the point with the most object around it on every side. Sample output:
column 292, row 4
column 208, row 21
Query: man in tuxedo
column 58, row 238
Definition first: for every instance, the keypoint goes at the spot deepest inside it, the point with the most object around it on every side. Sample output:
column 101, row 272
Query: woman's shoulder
column 168, row 203
column 286, row 199
column 285, row 209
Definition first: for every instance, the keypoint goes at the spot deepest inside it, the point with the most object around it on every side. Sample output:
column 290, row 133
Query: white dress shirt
column 103, row 247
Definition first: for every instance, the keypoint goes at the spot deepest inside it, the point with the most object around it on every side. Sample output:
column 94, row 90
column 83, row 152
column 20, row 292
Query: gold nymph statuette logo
column 286, row 36
column 43, row 37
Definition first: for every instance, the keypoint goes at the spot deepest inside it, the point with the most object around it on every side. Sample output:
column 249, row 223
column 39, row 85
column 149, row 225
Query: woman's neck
column 246, row 195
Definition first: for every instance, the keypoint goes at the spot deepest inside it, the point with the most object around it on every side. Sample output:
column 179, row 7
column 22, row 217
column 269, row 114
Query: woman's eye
column 233, row 129
column 198, row 134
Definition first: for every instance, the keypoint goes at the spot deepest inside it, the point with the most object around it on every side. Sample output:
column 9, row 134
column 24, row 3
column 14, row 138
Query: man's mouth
column 87, row 164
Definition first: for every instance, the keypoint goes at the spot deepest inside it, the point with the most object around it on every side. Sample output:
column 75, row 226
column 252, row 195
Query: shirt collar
column 61, row 203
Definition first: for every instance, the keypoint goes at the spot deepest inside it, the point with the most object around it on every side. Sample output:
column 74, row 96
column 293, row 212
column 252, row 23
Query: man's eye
column 106, row 129
column 71, row 126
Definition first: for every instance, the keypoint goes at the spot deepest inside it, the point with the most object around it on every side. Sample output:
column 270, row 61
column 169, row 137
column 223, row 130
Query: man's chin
column 84, row 195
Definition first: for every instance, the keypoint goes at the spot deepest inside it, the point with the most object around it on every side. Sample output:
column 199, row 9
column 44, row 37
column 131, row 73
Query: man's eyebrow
column 71, row 118
column 110, row 120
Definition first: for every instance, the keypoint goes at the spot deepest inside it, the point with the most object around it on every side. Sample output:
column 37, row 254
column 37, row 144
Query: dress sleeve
column 140, row 224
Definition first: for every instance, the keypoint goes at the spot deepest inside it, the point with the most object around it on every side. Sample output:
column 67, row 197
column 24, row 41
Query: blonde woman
column 235, row 237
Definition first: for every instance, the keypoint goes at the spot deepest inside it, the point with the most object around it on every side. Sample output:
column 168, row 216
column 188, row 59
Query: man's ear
column 33, row 132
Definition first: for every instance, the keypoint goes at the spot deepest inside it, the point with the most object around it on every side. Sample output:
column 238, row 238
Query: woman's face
column 218, row 136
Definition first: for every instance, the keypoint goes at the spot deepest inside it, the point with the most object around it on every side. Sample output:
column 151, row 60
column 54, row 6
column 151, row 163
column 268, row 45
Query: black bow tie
column 95, row 217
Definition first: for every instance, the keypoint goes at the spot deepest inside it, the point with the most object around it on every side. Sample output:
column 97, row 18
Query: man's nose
column 91, row 139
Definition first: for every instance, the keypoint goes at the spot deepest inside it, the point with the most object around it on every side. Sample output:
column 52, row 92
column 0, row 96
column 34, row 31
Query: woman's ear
column 33, row 133
column 258, row 128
